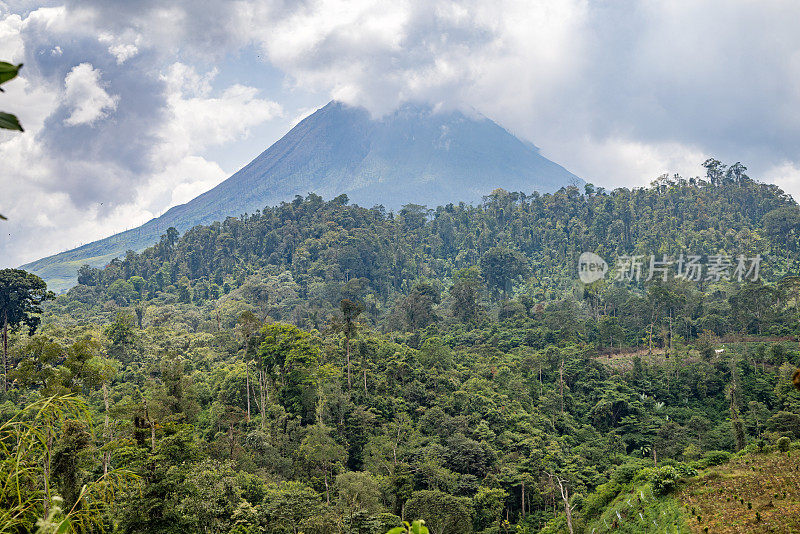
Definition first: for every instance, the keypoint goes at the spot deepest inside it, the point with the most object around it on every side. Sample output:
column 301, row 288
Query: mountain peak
column 416, row 154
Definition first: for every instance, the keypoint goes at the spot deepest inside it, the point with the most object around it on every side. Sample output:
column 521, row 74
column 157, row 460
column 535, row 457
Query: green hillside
column 324, row 368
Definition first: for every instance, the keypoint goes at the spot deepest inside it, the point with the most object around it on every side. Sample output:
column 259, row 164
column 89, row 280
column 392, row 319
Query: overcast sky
column 131, row 106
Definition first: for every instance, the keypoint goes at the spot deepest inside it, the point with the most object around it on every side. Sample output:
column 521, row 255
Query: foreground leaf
column 10, row 122
column 8, row 71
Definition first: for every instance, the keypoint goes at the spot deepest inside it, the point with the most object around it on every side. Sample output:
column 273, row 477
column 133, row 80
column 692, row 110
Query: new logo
column 591, row 267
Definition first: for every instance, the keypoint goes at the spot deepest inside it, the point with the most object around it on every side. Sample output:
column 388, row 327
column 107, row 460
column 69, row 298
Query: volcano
column 413, row 155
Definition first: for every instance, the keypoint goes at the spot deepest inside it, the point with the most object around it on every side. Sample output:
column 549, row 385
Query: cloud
column 113, row 136
column 195, row 121
column 707, row 77
column 121, row 47
column 85, row 96
column 618, row 92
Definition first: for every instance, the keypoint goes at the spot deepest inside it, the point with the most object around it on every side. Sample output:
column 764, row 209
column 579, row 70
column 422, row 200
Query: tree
column 783, row 224
column 321, row 455
column 88, row 276
column 69, row 459
column 563, row 489
column 358, row 490
column 715, row 170
column 443, row 513
column 489, row 504
column 123, row 338
column 122, row 292
column 501, row 267
column 290, row 356
column 21, row 297
column 212, row 494
column 290, row 503
column 466, row 293
column 418, row 306
column 347, row 325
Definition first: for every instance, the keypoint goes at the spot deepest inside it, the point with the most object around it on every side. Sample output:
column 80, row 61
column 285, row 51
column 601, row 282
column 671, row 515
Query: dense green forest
column 321, row 367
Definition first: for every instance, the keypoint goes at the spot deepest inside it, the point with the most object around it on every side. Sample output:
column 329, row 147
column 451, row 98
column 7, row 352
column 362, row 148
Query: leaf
column 2, row 218
column 8, row 71
column 10, row 122
column 397, row 530
column 64, row 527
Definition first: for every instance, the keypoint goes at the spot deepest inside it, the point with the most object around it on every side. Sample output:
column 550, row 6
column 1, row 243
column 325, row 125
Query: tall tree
column 466, row 293
column 346, row 324
column 21, row 297
column 417, row 307
column 501, row 267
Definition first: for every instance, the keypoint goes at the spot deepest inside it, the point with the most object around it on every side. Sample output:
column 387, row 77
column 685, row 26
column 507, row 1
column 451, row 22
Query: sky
column 133, row 106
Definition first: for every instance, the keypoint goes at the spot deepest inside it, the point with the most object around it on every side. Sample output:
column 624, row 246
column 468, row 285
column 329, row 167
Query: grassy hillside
column 753, row 492
column 757, row 492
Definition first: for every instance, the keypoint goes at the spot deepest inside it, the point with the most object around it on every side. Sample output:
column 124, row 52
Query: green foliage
column 502, row 266
column 626, row 472
column 597, row 501
column 291, row 357
column 9, row 72
column 21, row 297
column 443, row 513
column 664, row 479
column 716, row 458
column 30, row 453
column 350, row 368
column 416, row 527
column 7, row 120
column 288, row 504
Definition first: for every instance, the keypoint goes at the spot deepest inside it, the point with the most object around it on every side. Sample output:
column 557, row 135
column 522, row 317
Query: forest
column 320, row 367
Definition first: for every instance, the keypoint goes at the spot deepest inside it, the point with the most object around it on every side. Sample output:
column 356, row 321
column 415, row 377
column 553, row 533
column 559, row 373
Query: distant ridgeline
column 522, row 247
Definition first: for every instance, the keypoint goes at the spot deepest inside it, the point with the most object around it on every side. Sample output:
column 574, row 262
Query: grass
column 750, row 494
column 640, row 511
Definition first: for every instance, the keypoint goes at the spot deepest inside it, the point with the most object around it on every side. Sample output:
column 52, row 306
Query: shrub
column 685, row 470
column 783, row 444
column 716, row 458
column 625, row 472
column 664, row 479
column 597, row 501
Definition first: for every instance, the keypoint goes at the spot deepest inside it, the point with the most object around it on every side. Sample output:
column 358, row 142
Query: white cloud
column 121, row 47
column 193, row 117
column 785, row 175
column 85, row 96
column 197, row 120
column 617, row 92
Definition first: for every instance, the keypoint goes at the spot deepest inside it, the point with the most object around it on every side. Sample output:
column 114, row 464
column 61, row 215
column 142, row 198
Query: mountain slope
column 414, row 155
